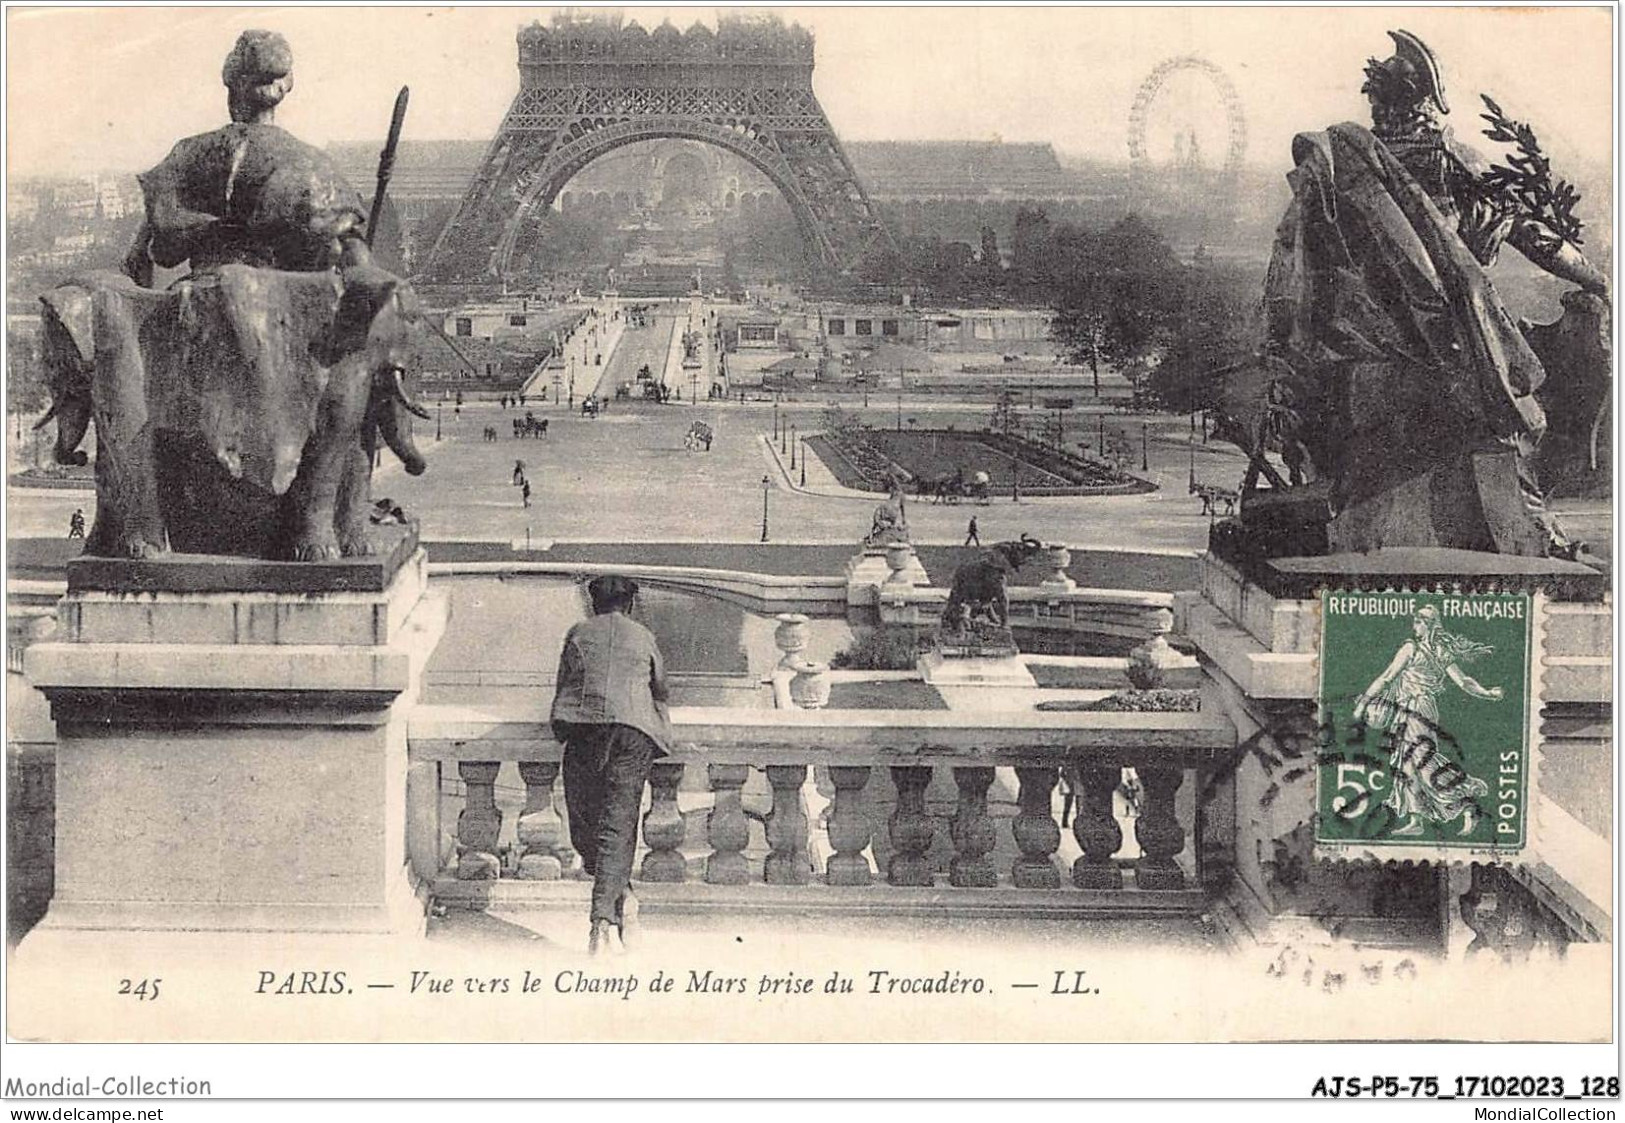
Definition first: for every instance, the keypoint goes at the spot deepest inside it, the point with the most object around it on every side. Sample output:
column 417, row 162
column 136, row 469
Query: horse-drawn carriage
column 589, row 406
column 952, row 489
column 1213, row 496
column 529, row 426
column 699, row 436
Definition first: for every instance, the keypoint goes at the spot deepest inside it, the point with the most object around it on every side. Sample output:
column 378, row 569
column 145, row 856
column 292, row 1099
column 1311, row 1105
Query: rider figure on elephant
column 249, row 193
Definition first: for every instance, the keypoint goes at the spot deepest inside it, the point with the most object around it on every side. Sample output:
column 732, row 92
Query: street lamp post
column 1145, row 447
column 899, row 412
column 439, row 411
column 775, row 419
column 803, row 461
column 767, row 485
column 792, row 448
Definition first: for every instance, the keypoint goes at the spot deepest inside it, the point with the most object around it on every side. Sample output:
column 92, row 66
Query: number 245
column 142, row 990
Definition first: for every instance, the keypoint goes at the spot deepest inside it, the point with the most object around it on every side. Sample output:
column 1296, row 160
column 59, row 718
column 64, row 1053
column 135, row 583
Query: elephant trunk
column 72, row 421
column 393, row 415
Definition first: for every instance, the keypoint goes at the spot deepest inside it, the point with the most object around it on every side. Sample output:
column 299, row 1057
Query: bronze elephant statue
column 236, row 412
column 978, row 593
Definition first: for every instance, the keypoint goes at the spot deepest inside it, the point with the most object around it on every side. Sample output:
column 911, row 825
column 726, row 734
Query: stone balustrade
column 873, row 841
column 1118, row 613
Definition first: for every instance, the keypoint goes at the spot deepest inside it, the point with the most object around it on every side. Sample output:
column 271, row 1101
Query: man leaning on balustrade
column 609, row 711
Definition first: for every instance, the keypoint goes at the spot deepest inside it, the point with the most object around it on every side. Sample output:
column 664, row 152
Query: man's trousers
column 605, row 770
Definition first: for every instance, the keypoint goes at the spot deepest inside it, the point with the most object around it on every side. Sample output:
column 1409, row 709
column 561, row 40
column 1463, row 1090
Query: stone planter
column 898, row 555
column 1058, row 558
column 791, row 637
column 810, row 688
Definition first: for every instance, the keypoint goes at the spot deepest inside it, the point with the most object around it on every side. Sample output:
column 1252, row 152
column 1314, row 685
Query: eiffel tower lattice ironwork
column 589, row 85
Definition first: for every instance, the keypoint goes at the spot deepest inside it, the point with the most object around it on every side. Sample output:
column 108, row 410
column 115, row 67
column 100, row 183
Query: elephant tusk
column 400, row 392
column 50, row 413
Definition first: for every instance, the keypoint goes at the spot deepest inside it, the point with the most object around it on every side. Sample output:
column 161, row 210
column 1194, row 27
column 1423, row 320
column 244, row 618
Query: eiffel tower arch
column 589, row 85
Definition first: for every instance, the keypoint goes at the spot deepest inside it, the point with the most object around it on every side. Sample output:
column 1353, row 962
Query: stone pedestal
column 231, row 745
column 867, row 572
column 975, row 670
column 1257, row 625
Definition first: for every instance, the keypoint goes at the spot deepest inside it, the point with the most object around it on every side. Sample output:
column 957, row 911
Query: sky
column 112, row 88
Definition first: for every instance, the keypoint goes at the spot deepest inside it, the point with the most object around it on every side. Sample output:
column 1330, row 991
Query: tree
column 1030, row 264
column 989, row 278
column 26, row 392
column 1111, row 290
column 1214, row 331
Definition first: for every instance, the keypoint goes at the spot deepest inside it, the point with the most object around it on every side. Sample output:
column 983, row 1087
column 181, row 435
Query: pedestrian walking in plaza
column 76, row 523
column 524, row 492
column 1015, row 488
column 971, row 537
column 518, row 472
column 609, row 711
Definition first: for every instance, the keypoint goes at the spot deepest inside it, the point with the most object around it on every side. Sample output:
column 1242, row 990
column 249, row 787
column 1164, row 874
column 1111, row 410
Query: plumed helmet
column 1412, row 55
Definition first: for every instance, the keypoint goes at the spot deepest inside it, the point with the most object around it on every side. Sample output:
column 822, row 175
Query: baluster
column 540, row 828
column 729, row 830
column 973, row 832
column 663, row 826
column 1158, row 831
column 480, row 822
column 1035, row 831
column 788, row 864
column 848, row 827
column 911, row 829
column 1096, row 829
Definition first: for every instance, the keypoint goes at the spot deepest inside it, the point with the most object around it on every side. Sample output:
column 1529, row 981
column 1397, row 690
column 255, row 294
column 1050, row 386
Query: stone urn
column 791, row 637
column 1057, row 558
column 1148, row 662
column 898, row 555
column 809, row 689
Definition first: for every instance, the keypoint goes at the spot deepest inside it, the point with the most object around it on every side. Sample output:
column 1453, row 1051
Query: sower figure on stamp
column 609, row 710
column 1403, row 703
column 1412, row 390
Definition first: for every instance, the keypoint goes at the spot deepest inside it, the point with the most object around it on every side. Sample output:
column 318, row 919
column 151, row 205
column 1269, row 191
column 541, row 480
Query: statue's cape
column 250, row 194
column 1384, row 331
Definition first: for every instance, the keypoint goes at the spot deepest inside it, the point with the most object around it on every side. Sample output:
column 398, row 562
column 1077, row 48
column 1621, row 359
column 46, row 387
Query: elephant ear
column 254, row 342
column 69, row 332
column 369, row 292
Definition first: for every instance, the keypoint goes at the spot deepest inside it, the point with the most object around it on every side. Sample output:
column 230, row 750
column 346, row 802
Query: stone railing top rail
column 1131, row 598
column 688, row 574
column 702, row 734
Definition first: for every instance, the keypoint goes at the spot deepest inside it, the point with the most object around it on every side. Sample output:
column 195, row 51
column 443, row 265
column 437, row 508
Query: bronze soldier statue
column 1401, row 382
column 249, row 193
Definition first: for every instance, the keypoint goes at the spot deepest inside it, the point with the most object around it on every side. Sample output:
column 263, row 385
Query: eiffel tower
column 588, row 85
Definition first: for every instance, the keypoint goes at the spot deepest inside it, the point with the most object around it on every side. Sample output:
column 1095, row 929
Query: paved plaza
column 626, row 477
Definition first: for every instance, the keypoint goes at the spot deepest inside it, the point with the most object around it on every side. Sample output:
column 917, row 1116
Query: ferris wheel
column 1225, row 90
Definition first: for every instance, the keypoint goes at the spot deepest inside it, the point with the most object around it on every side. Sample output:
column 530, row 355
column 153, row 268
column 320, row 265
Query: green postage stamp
column 1426, row 702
